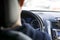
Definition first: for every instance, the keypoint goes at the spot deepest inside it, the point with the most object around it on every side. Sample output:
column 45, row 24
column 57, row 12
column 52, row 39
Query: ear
column 21, row 2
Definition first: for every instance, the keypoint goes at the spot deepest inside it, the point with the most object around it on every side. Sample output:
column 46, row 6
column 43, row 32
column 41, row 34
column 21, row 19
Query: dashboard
column 48, row 22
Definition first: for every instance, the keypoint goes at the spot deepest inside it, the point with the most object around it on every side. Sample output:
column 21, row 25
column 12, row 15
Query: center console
column 56, row 34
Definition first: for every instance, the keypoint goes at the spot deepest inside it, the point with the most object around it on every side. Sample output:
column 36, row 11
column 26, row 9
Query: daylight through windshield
column 50, row 5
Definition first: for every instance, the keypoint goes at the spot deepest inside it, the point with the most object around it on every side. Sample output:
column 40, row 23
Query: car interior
column 42, row 22
column 44, row 17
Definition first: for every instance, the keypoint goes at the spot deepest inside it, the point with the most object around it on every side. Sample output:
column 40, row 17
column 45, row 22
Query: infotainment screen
column 56, row 24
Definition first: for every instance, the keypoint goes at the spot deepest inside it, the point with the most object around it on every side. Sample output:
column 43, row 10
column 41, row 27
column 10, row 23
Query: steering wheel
column 31, row 18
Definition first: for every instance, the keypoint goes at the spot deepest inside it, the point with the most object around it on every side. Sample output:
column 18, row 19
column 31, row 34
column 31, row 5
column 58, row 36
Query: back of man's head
column 10, row 10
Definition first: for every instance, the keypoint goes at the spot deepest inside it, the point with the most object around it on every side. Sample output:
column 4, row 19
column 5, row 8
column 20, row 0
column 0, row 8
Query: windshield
column 50, row 5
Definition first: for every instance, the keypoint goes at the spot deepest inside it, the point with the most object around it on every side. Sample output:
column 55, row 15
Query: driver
column 11, row 22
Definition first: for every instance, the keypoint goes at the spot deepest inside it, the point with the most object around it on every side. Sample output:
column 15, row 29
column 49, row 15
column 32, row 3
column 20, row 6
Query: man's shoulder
column 35, row 34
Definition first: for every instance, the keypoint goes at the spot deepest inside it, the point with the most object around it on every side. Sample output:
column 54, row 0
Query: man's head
column 10, row 11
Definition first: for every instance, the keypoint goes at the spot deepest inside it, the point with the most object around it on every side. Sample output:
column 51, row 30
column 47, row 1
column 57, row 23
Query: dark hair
column 21, row 2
